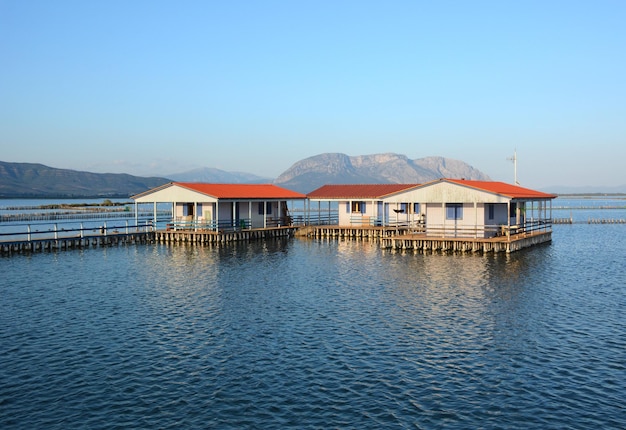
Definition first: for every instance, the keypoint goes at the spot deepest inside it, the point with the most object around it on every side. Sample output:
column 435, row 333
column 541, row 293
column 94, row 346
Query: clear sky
column 160, row 87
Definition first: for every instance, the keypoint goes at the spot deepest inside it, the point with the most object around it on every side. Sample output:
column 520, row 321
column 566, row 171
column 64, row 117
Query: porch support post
column 476, row 220
column 385, row 212
column 508, row 218
column 217, row 215
column 443, row 210
column 550, row 214
column 349, row 209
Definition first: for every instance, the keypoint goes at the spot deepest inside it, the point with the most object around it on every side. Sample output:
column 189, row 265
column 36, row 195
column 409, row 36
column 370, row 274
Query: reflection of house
column 445, row 207
column 222, row 206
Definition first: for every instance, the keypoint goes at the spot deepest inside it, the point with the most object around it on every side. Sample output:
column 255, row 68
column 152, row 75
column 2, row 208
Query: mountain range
column 28, row 180
column 334, row 168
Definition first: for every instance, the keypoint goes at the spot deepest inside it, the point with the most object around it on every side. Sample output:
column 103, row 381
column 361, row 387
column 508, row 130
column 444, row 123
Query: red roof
column 241, row 191
column 358, row 191
column 504, row 189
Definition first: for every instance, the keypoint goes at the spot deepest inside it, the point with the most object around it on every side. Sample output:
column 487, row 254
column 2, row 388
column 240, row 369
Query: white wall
column 347, row 217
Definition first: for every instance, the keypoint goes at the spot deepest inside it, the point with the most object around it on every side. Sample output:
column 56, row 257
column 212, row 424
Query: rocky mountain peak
column 337, row 168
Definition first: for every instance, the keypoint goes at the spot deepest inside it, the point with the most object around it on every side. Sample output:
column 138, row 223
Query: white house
column 364, row 204
column 222, row 206
column 445, row 207
column 467, row 208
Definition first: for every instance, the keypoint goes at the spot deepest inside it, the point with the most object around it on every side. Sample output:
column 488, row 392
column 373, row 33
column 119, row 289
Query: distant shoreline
column 125, row 196
column 591, row 195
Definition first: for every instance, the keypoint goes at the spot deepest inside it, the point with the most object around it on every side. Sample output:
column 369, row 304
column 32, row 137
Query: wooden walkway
column 209, row 237
column 74, row 242
column 393, row 238
column 421, row 242
column 365, row 232
column 407, row 239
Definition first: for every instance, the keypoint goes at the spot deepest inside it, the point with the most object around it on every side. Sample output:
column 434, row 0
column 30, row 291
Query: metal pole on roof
column 514, row 160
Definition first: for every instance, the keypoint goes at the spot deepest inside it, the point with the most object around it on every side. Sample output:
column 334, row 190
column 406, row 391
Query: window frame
column 357, row 207
column 454, row 211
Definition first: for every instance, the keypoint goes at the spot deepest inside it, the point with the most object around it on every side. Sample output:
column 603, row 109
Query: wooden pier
column 421, row 242
column 395, row 238
column 407, row 239
column 354, row 232
column 210, row 237
column 77, row 242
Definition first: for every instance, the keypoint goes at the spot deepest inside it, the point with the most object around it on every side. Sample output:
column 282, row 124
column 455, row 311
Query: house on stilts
column 203, row 212
column 455, row 214
column 445, row 213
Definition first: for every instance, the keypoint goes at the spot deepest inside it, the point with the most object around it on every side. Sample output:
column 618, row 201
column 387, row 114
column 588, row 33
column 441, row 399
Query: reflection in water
column 306, row 333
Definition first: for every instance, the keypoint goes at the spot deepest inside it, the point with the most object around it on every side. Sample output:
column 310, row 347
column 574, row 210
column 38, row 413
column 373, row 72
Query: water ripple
column 304, row 334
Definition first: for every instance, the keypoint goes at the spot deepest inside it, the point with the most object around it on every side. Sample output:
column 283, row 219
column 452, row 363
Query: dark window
column 268, row 208
column 188, row 209
column 416, row 208
column 454, row 211
column 358, row 207
column 492, row 209
column 513, row 210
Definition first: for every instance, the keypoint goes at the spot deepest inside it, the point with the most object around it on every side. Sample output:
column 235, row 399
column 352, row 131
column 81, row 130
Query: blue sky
column 156, row 87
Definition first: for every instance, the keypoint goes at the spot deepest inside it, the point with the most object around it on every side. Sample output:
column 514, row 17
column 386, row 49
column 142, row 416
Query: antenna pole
column 514, row 160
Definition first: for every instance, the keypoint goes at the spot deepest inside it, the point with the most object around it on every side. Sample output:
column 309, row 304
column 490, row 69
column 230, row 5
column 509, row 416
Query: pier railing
column 225, row 225
column 246, row 223
column 201, row 225
column 69, row 216
column 67, row 230
column 493, row 230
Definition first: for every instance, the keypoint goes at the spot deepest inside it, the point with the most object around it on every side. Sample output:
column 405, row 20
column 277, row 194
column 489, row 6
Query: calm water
column 317, row 334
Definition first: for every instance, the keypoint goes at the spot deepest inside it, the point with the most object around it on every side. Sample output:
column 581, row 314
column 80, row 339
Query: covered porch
column 220, row 207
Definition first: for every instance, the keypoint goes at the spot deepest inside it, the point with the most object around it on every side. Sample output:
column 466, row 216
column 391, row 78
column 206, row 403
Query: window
column 268, row 208
column 416, row 208
column 513, row 211
column 188, row 209
column 491, row 208
column 357, row 207
column 454, row 211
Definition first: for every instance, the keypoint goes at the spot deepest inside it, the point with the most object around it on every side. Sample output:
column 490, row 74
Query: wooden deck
column 421, row 242
column 407, row 239
column 209, row 237
column 393, row 238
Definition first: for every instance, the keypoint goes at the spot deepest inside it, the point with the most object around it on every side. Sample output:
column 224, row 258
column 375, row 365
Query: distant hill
column 212, row 175
column 335, row 168
column 27, row 180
